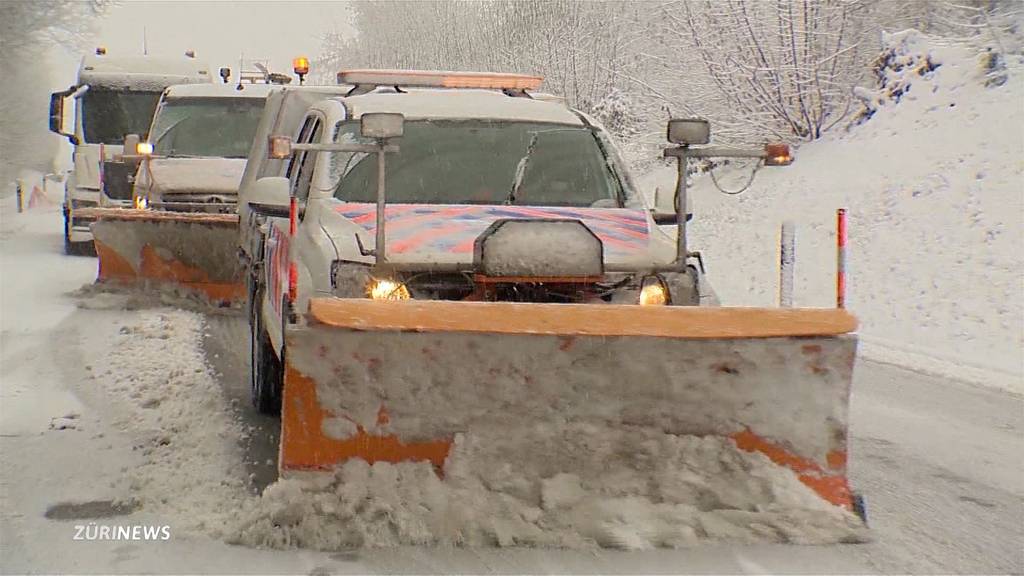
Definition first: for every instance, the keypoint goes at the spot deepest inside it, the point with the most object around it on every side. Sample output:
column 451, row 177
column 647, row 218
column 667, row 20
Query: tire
column 267, row 369
column 72, row 248
column 69, row 246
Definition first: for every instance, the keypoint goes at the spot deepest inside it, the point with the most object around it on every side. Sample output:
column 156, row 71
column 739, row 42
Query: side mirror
column 57, row 116
column 689, row 131
column 270, row 191
column 381, row 125
column 664, row 211
column 57, row 112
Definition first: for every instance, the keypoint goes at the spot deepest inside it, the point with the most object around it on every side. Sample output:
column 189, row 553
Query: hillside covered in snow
column 932, row 175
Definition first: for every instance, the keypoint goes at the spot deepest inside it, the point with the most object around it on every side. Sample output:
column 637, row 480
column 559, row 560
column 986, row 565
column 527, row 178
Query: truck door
column 278, row 246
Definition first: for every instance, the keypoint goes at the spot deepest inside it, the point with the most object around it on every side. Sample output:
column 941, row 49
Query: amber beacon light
column 300, row 66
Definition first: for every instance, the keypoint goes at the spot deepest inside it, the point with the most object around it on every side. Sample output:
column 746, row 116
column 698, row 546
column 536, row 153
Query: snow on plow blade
column 552, row 389
column 194, row 251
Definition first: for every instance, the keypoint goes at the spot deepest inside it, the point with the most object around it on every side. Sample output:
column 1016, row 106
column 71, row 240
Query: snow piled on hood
column 196, row 175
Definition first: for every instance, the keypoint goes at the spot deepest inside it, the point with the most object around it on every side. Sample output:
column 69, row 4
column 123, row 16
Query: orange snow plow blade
column 193, row 251
column 434, row 381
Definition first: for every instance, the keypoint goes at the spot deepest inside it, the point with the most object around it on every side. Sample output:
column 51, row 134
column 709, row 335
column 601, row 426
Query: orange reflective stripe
column 304, row 446
column 830, row 486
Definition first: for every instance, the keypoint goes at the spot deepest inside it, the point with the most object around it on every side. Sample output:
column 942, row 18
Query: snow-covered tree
column 27, row 31
column 779, row 69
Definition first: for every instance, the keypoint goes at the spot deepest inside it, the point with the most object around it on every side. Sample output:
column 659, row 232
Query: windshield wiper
column 517, row 183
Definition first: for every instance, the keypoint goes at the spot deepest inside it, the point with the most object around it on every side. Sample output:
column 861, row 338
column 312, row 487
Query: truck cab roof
column 219, row 91
column 141, row 72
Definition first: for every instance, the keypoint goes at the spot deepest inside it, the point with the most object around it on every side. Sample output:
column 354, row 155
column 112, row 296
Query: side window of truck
column 300, row 169
column 293, row 162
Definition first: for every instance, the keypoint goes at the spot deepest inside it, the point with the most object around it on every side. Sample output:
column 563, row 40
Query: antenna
column 241, row 69
column 145, row 44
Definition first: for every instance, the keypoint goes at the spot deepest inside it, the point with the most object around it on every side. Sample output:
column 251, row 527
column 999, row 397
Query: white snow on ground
column 144, row 366
column 191, row 469
column 934, row 187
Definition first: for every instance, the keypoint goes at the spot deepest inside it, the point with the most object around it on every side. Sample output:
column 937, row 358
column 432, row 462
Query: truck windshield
column 214, row 127
column 481, row 162
column 107, row 115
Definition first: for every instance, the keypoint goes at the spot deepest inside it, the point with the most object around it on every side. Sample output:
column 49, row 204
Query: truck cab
column 197, row 147
column 113, row 96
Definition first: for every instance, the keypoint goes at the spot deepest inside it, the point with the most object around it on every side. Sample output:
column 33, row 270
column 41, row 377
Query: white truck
column 469, row 158
column 197, row 147
column 114, row 96
column 453, row 275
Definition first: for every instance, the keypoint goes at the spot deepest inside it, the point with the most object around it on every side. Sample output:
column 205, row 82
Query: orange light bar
column 300, row 65
column 440, row 79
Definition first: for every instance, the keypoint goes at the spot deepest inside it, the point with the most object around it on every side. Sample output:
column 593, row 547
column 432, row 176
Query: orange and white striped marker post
column 841, row 258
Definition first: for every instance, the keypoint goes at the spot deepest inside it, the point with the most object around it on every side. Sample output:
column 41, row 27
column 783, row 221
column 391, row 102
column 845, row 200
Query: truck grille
column 437, row 286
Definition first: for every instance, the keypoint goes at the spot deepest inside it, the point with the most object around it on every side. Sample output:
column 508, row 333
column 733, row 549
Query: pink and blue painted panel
column 454, row 228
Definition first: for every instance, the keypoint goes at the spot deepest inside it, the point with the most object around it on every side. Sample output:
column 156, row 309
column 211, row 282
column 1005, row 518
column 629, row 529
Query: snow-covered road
column 940, row 462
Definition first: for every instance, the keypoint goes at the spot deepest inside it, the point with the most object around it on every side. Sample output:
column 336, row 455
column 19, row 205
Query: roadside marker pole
column 841, row 258
column 787, row 258
column 20, row 194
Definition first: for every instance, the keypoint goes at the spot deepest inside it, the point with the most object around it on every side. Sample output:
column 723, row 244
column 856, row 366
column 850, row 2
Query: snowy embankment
column 933, row 185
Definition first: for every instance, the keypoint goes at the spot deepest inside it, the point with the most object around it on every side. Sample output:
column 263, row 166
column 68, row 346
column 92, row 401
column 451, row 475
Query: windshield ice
column 215, row 127
column 481, row 162
column 107, row 115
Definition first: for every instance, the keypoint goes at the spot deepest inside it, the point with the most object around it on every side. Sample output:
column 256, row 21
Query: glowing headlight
column 384, row 289
column 141, row 203
column 653, row 292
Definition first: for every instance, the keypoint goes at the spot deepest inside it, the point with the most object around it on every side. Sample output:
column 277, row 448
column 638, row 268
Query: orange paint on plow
column 113, row 267
column 304, row 446
column 832, row 485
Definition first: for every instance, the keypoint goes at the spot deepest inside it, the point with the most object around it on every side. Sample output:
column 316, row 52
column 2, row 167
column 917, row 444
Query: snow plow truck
column 443, row 256
column 114, row 96
column 183, row 227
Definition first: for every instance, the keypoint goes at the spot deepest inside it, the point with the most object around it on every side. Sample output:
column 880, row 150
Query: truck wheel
column 267, row 369
column 69, row 247
column 72, row 248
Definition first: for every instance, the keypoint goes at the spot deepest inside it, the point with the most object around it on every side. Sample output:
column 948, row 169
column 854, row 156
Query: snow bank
column 934, row 185
column 191, row 472
column 733, row 496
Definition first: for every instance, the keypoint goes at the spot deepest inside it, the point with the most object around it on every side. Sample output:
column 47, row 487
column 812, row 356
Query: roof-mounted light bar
column 440, row 79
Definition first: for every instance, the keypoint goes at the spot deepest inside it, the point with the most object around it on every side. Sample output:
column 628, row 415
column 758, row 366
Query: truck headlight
column 653, row 292
column 386, row 289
